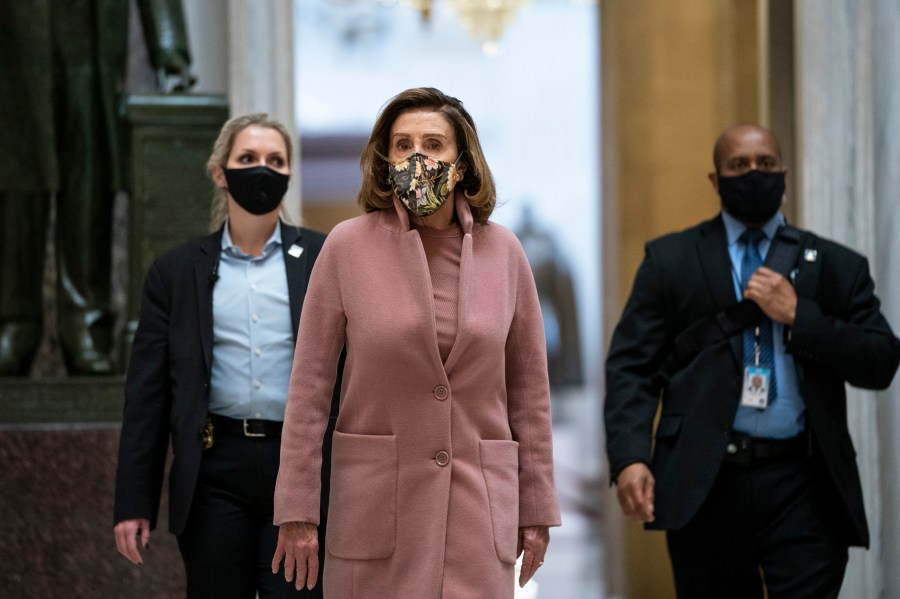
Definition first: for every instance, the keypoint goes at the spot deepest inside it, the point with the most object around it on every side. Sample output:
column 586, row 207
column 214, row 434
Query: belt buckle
column 247, row 433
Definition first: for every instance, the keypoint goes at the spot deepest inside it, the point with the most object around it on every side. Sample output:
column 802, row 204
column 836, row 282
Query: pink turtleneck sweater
column 442, row 249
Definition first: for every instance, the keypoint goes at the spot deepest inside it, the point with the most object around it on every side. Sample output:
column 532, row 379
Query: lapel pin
column 810, row 255
column 295, row 251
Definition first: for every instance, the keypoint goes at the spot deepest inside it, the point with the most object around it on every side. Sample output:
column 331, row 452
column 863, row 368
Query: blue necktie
column 751, row 261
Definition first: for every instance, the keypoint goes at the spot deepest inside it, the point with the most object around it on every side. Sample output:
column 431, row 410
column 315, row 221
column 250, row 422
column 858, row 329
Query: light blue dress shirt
column 785, row 415
column 253, row 340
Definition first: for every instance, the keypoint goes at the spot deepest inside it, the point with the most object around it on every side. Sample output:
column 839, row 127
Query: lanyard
column 756, row 346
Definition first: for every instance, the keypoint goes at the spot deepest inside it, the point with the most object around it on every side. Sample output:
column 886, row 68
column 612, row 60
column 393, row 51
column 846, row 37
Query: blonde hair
column 477, row 182
column 222, row 149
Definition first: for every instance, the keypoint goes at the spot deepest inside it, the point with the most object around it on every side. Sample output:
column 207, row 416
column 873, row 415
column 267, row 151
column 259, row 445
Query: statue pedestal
column 60, row 402
column 171, row 138
column 59, row 439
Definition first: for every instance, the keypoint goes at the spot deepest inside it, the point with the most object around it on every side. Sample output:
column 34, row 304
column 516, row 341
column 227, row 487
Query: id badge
column 755, row 392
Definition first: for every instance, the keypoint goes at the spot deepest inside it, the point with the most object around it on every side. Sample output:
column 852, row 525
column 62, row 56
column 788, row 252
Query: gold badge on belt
column 207, row 434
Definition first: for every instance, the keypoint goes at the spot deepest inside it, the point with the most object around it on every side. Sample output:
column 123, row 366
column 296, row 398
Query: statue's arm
column 166, row 36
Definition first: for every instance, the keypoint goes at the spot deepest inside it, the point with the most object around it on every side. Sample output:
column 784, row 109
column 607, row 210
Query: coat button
column 442, row 458
column 731, row 448
column 441, row 392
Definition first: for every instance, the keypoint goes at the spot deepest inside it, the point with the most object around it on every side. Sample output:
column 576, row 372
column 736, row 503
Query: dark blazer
column 839, row 336
column 167, row 387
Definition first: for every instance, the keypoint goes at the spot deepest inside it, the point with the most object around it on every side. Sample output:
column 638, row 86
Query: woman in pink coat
column 442, row 466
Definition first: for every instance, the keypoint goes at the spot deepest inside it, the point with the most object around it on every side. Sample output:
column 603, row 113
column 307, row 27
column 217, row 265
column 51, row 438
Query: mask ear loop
column 388, row 161
column 456, row 166
column 382, row 156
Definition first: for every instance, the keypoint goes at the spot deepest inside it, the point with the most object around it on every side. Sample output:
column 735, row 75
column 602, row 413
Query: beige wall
column 674, row 75
column 323, row 216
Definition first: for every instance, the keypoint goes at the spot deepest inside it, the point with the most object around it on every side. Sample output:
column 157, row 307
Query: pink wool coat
column 435, row 465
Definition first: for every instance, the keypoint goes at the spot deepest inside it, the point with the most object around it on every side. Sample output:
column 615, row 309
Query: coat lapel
column 808, row 268
column 412, row 243
column 464, row 214
column 206, row 266
column 712, row 250
column 295, row 267
column 784, row 250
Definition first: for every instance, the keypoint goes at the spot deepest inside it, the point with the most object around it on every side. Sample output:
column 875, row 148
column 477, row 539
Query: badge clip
column 207, row 434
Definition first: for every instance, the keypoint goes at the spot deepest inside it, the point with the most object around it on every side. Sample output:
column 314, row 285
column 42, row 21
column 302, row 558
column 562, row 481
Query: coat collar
column 296, row 256
column 397, row 220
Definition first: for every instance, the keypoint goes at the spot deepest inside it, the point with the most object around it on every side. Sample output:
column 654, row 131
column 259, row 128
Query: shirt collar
column 228, row 245
column 734, row 228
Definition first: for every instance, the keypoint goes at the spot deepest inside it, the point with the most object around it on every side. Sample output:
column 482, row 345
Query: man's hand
column 774, row 294
column 127, row 533
column 634, row 487
column 533, row 540
column 298, row 545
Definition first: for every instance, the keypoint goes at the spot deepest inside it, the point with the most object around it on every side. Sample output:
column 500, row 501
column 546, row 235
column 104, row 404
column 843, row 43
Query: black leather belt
column 245, row 427
column 744, row 449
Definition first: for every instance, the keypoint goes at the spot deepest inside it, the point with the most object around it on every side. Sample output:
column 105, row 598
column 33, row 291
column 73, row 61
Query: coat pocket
column 500, row 466
column 362, row 513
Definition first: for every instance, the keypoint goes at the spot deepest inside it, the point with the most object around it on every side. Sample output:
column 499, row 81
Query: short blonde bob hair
column 222, row 149
column 477, row 182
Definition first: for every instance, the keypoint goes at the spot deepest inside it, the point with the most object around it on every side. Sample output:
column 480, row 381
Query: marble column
column 886, row 183
column 261, row 71
column 207, row 22
column 847, row 110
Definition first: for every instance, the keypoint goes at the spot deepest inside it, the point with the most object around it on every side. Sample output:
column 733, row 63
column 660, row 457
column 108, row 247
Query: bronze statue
column 63, row 69
column 556, row 290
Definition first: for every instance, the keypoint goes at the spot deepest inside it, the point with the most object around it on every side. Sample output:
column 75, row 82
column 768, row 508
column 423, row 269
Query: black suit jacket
column 167, row 386
column 839, row 336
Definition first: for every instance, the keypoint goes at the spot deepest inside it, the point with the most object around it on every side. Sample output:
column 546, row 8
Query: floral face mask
column 423, row 183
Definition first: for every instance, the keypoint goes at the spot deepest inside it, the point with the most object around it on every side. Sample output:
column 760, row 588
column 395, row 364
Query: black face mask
column 753, row 197
column 257, row 190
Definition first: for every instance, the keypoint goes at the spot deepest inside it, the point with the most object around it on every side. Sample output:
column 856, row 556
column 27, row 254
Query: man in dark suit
column 750, row 469
column 209, row 369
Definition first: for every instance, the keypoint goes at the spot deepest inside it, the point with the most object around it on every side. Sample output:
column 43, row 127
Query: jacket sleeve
column 319, row 343
column 528, row 401
column 634, row 358
column 145, row 430
column 855, row 341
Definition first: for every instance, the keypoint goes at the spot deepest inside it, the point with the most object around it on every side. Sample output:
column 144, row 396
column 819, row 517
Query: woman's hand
column 298, row 545
column 127, row 534
column 533, row 540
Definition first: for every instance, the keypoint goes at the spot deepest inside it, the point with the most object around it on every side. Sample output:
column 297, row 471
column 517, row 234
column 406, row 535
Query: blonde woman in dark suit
column 210, row 369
